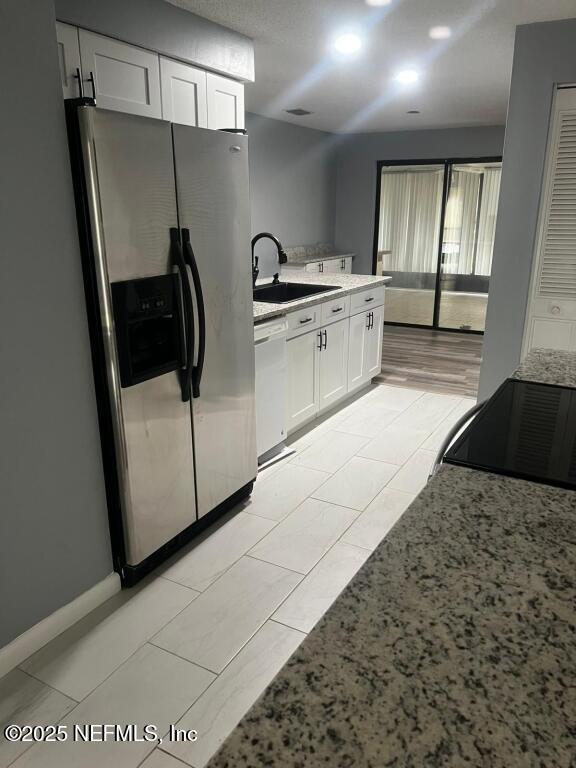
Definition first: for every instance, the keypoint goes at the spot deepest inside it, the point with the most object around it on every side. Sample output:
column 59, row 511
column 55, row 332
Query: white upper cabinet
column 69, row 59
column 183, row 93
column 225, row 102
column 126, row 78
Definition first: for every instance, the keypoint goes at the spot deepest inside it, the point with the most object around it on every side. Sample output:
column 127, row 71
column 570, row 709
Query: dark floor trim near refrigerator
column 131, row 575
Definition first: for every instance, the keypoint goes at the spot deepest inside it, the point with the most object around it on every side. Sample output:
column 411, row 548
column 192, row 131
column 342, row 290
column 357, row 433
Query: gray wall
column 544, row 54
column 292, row 185
column 54, row 540
column 357, row 158
column 162, row 27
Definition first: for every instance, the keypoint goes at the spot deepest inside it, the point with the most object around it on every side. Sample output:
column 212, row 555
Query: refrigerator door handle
column 178, row 260
column 191, row 262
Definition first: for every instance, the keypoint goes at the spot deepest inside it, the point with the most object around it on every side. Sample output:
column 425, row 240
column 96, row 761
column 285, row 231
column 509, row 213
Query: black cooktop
column 525, row 430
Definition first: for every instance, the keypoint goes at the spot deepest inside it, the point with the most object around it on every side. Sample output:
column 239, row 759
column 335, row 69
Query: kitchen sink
column 279, row 293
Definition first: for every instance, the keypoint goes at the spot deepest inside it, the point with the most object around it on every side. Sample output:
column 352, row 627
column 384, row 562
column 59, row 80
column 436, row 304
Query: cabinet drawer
column 334, row 310
column 303, row 320
column 374, row 297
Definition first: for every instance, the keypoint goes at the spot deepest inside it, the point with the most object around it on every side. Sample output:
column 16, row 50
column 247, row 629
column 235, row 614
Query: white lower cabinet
column 317, row 372
column 357, row 349
column 303, row 389
column 373, row 352
column 365, row 347
column 333, row 359
column 331, row 354
column 331, row 266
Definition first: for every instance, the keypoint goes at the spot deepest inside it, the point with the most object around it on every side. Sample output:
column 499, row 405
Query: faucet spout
column 282, row 257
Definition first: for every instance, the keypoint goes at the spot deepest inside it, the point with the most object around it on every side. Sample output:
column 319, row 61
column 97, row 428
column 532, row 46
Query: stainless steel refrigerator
column 163, row 214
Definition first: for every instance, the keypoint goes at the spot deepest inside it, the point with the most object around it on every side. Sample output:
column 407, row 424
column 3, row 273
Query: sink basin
column 283, row 292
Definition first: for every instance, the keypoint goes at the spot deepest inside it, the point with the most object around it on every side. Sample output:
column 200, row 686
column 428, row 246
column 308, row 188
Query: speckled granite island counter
column 454, row 645
column 344, row 283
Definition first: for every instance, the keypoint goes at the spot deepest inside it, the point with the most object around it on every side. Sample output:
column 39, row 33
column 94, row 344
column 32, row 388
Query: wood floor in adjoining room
column 433, row 361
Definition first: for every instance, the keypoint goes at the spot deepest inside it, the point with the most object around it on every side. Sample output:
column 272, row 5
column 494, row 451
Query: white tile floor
column 199, row 641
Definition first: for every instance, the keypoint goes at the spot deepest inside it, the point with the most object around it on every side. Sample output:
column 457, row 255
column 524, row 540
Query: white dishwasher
column 271, row 371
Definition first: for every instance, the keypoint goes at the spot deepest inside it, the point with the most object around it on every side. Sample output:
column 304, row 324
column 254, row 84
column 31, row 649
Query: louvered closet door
column 552, row 315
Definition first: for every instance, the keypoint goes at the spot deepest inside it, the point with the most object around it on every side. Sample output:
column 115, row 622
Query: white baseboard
column 37, row 636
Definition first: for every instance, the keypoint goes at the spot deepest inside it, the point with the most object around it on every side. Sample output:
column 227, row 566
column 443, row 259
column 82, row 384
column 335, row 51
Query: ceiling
column 464, row 80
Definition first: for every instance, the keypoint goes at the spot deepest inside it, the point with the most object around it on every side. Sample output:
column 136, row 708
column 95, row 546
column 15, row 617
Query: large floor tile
column 378, row 518
column 278, row 495
column 395, row 444
column 427, row 412
column 316, row 593
column 330, row 452
column 357, row 483
column 367, row 420
column 212, row 630
column 82, row 657
column 435, row 440
column 301, row 539
column 218, row 549
column 26, row 701
column 161, row 759
column 394, row 398
column 413, row 476
column 152, row 687
column 222, row 706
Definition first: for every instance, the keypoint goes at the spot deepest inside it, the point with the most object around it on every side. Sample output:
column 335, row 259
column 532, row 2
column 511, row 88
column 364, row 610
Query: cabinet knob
column 555, row 309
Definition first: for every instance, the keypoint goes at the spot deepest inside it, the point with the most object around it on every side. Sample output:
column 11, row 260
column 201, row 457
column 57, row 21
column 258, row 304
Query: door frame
column 447, row 163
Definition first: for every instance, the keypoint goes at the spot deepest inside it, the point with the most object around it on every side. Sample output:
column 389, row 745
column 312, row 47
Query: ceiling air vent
column 299, row 112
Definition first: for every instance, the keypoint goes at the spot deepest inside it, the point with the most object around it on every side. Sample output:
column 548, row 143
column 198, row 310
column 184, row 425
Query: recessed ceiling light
column 378, row 2
column 407, row 76
column 440, row 33
column 347, row 43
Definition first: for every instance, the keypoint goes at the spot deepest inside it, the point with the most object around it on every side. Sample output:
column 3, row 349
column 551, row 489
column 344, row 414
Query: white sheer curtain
column 487, row 220
column 460, row 222
column 410, row 204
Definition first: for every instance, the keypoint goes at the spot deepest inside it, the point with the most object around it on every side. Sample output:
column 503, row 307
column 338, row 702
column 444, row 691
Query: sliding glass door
column 435, row 235
column 409, row 228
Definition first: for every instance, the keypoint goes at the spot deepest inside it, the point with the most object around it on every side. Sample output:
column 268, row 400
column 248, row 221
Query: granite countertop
column 550, row 366
column 304, row 254
column 453, row 646
column 307, row 258
column 346, row 284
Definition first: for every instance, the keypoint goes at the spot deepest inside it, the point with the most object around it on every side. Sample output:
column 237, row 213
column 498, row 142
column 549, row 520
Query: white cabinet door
column 333, row 361
column 314, row 266
column 303, row 387
column 225, row 100
column 183, row 93
column 69, row 59
column 373, row 342
column 553, row 334
column 347, row 266
column 331, row 265
column 356, row 350
column 126, row 78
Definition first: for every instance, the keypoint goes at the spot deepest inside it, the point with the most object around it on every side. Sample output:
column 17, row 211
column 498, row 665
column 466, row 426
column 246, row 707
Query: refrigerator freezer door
column 213, row 203
column 130, row 179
